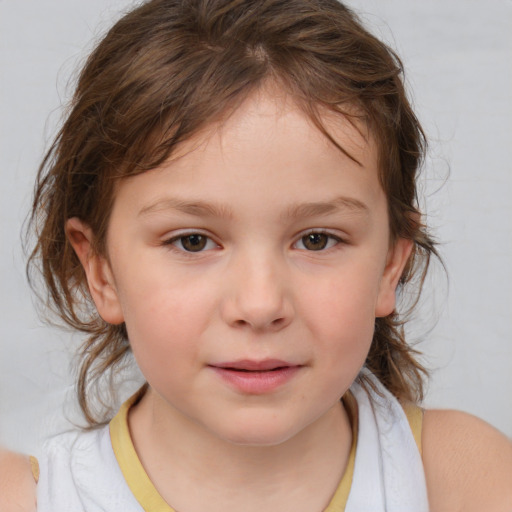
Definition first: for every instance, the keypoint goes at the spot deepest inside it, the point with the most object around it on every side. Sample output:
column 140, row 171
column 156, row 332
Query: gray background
column 458, row 57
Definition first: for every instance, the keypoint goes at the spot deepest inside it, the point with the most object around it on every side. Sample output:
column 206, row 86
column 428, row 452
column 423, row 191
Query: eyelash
column 175, row 240
column 330, row 239
column 331, row 242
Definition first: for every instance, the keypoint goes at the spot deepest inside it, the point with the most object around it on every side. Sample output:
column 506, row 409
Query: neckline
column 150, row 499
column 134, row 473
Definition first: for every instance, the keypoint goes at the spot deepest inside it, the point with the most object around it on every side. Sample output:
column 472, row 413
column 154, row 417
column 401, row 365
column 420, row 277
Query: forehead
column 345, row 129
column 268, row 149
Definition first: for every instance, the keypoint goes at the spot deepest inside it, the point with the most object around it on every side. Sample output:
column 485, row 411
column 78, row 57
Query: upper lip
column 253, row 365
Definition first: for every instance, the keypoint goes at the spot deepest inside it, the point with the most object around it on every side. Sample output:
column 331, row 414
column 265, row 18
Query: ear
column 398, row 256
column 97, row 270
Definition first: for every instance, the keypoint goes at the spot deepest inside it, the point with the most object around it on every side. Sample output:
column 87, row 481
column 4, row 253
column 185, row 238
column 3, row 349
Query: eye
column 193, row 242
column 317, row 241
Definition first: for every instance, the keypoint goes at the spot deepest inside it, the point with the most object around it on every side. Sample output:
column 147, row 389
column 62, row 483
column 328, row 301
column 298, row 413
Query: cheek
column 343, row 302
column 162, row 297
column 340, row 315
column 164, row 319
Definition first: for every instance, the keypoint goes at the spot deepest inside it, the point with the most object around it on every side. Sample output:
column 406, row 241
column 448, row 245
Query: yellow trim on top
column 149, row 498
column 136, row 477
column 340, row 498
column 34, row 466
column 415, row 418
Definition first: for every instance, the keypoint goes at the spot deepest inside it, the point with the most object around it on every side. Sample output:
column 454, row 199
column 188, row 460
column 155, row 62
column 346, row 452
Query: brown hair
column 170, row 67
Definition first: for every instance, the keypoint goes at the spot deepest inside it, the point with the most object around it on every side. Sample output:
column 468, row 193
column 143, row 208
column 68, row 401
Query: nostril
column 273, row 324
column 257, row 311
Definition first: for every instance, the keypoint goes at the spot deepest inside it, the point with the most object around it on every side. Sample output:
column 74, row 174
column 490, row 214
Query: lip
column 256, row 377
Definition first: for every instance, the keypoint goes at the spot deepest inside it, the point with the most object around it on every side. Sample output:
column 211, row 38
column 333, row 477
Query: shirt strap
column 415, row 418
column 34, row 466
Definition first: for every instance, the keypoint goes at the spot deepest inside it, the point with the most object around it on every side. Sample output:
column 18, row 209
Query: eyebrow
column 196, row 208
column 337, row 205
column 302, row 210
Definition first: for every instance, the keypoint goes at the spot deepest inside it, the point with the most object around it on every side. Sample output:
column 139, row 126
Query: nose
column 258, row 294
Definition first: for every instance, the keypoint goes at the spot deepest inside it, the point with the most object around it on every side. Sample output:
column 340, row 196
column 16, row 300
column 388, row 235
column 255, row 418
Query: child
column 234, row 190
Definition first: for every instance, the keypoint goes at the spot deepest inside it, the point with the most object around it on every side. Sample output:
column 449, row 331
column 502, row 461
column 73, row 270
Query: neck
column 182, row 457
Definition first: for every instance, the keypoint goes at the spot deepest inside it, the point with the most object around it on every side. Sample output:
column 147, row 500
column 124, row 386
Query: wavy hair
column 169, row 68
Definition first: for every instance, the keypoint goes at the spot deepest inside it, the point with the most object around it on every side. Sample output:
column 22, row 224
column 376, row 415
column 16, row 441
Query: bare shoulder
column 17, row 484
column 468, row 463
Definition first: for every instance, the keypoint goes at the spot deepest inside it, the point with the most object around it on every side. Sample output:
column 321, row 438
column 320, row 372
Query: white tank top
column 81, row 471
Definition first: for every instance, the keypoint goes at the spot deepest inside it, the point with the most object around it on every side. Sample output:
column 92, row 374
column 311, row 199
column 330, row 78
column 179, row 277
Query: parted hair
column 165, row 71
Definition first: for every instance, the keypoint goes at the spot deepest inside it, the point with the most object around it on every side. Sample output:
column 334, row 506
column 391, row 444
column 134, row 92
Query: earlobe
column 398, row 257
column 97, row 270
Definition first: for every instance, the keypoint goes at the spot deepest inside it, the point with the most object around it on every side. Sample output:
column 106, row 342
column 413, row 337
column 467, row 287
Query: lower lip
column 257, row 382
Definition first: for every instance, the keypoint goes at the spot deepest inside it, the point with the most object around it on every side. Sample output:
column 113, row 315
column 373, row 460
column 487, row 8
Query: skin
column 267, row 178
column 17, row 486
column 256, row 185
column 468, row 463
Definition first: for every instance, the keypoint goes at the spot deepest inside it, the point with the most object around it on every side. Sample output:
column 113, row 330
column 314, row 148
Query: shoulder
column 17, row 483
column 468, row 463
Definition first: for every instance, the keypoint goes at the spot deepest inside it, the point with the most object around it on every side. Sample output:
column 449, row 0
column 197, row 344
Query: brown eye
column 315, row 241
column 193, row 243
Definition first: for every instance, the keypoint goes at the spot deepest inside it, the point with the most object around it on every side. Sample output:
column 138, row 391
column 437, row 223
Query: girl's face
column 249, row 271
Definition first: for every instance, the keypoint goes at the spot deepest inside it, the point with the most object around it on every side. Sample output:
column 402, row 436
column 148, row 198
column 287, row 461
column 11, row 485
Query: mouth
column 248, row 365
column 256, row 377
